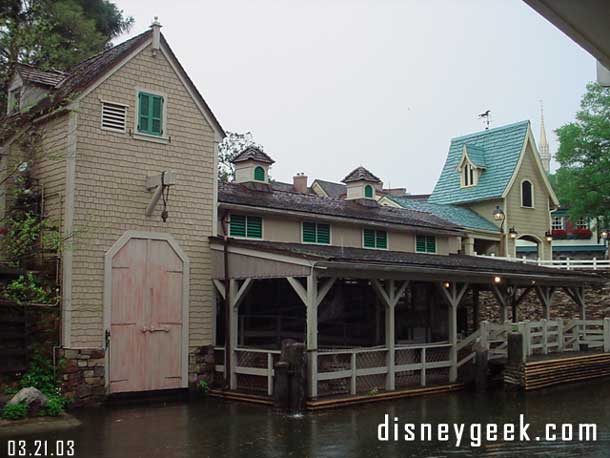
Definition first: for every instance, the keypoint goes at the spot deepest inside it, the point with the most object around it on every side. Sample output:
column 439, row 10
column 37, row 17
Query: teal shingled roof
column 460, row 216
column 502, row 147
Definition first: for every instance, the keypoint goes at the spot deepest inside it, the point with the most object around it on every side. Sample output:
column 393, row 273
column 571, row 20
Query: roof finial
column 545, row 156
column 486, row 116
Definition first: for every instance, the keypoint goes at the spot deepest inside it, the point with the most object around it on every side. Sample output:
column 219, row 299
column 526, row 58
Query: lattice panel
column 437, row 376
column 252, row 359
column 252, row 383
column 334, row 387
column 408, row 356
column 407, row 379
column 436, row 354
column 333, row 363
column 371, row 359
column 368, row 383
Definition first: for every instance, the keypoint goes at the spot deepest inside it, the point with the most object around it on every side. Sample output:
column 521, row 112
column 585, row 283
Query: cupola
column 362, row 184
column 252, row 166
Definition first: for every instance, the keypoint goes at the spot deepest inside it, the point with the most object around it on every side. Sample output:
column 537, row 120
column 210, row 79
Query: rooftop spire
column 545, row 156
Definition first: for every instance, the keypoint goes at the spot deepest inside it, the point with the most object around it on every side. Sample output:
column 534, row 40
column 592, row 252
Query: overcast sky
column 326, row 86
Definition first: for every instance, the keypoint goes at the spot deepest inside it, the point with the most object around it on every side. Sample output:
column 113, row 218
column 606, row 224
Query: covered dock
column 373, row 322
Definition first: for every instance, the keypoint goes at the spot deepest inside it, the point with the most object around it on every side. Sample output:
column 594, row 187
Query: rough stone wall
column 597, row 300
column 83, row 376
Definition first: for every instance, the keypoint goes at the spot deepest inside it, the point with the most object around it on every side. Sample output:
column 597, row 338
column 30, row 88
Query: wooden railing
column 567, row 264
column 547, row 336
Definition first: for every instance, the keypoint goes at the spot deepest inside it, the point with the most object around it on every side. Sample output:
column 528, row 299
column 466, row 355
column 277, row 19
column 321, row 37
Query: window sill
column 528, row 208
column 151, row 138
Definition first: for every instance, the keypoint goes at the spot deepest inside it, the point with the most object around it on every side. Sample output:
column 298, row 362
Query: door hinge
column 107, row 338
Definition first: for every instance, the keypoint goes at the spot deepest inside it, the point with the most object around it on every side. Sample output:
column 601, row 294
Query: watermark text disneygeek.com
column 475, row 434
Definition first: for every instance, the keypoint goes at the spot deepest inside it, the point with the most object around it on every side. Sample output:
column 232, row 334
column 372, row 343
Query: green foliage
column 15, row 411
column 54, row 408
column 203, row 386
column 27, row 289
column 233, row 144
column 41, row 375
column 55, row 33
column 583, row 180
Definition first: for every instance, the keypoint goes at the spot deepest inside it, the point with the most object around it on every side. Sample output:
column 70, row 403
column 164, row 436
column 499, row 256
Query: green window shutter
column 381, row 239
column 368, row 191
column 156, row 115
column 150, row 114
column 431, row 244
column 143, row 112
column 323, row 233
column 259, row 174
column 254, row 227
column 309, row 232
column 420, row 244
column 237, row 226
column 369, row 238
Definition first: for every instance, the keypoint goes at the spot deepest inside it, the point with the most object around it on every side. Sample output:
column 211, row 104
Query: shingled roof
column 252, row 153
column 502, row 149
column 33, row 75
column 453, row 264
column 361, row 174
column 239, row 194
column 332, row 189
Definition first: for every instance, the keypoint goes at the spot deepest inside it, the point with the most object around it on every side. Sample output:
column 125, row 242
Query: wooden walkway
column 556, row 369
column 342, row 401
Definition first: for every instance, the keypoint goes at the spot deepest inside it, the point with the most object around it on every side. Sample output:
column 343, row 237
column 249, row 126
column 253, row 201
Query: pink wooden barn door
column 146, row 317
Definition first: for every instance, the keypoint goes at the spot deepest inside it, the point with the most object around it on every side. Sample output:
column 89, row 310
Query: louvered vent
column 114, row 117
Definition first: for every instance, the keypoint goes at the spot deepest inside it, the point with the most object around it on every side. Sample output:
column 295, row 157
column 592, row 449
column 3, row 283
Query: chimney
column 156, row 36
column 300, row 183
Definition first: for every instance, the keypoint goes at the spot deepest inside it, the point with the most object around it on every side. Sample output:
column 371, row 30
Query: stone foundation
column 201, row 366
column 82, row 375
column 597, row 301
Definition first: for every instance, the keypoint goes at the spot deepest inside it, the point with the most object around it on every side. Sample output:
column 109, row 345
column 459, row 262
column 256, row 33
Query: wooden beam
column 239, row 292
column 520, row 297
column 298, row 288
column 323, row 291
column 220, row 287
column 381, row 292
column 311, row 301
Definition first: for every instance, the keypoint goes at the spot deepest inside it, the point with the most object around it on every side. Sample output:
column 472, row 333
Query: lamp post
column 604, row 234
column 500, row 216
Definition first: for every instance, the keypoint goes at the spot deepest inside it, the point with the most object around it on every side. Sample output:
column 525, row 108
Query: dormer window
column 361, row 185
column 14, row 100
column 471, row 165
column 470, row 175
column 252, row 166
column 369, row 193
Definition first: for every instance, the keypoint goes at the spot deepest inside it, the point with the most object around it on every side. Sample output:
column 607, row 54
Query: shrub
column 15, row 411
column 54, row 407
column 28, row 289
column 203, row 386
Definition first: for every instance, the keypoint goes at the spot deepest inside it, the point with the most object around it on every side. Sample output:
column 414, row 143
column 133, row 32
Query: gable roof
column 360, row 174
column 332, row 189
column 460, row 216
column 314, row 205
column 33, row 75
column 83, row 76
column 252, row 153
column 475, row 154
column 502, row 150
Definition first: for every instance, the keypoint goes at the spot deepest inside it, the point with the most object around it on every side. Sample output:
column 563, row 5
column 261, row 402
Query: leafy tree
column 233, row 144
column 583, row 179
column 55, row 33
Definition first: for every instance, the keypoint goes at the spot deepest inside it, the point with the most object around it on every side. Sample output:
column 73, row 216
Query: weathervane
column 486, row 116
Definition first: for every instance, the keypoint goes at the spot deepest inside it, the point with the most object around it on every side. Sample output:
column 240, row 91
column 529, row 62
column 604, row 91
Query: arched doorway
column 529, row 246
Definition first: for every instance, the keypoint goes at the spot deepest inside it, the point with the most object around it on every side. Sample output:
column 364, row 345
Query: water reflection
column 213, row 428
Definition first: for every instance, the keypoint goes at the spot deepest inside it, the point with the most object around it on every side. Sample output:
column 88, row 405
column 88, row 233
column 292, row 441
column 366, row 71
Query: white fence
column 547, row 336
column 567, row 264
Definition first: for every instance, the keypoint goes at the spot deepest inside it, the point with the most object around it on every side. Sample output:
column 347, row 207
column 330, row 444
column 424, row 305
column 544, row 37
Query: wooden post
column 423, row 367
column 270, row 374
column 390, row 295
column 454, row 296
column 606, row 335
column 312, row 334
column 233, row 326
column 560, row 335
column 485, row 335
column 354, row 378
column 545, row 337
column 476, row 310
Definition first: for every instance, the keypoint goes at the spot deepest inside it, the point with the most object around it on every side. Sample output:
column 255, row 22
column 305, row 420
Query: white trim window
column 527, row 194
column 582, row 223
column 557, row 223
column 470, row 175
